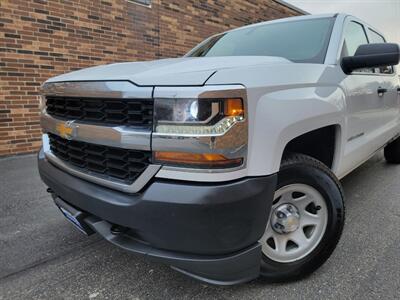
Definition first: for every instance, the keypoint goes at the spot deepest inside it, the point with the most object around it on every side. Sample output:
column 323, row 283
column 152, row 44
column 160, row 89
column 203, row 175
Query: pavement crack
column 48, row 260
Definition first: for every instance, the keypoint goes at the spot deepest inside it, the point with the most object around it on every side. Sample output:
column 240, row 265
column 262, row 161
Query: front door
column 372, row 107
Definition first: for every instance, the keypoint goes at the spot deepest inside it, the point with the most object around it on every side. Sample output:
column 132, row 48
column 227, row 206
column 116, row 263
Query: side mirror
column 372, row 56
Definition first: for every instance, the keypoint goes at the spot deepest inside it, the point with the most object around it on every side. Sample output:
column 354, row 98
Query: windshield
column 303, row 41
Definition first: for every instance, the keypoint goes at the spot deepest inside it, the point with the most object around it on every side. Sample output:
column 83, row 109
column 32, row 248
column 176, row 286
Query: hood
column 175, row 71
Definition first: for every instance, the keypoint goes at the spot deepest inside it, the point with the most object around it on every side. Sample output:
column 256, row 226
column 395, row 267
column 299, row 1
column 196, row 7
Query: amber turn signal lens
column 233, row 107
column 208, row 160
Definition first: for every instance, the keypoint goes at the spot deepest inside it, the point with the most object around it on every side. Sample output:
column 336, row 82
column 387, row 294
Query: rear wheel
column 392, row 152
column 306, row 220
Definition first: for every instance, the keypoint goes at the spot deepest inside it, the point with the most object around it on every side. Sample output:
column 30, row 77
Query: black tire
column 392, row 152
column 298, row 168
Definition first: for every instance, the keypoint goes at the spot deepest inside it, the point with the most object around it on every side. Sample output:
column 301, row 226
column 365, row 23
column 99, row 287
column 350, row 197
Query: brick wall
column 40, row 39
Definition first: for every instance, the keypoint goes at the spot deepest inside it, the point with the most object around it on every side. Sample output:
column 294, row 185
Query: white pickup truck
column 225, row 163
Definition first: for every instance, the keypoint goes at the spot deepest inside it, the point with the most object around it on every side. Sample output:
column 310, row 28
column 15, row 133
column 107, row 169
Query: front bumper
column 208, row 231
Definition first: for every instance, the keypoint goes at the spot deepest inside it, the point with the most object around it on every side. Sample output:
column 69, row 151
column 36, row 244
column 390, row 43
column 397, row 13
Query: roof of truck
column 290, row 19
column 306, row 17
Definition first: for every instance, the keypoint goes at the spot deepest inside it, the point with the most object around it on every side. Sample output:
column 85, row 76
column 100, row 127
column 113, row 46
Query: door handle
column 381, row 91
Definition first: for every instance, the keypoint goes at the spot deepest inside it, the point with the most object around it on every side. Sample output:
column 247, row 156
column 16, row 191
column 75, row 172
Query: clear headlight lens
column 199, row 118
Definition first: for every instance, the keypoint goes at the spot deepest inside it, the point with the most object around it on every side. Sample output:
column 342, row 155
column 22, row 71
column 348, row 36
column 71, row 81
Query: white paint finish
column 371, row 120
column 320, row 107
column 284, row 107
column 187, row 71
column 336, row 42
column 284, row 101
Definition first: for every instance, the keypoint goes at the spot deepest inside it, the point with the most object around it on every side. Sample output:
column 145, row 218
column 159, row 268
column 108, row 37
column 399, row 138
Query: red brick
column 41, row 39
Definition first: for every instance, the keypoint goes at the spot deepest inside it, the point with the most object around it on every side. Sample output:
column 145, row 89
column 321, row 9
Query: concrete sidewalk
column 43, row 256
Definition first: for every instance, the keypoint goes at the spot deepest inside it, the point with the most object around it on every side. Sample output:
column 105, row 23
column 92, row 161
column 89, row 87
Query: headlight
column 197, row 116
column 198, row 124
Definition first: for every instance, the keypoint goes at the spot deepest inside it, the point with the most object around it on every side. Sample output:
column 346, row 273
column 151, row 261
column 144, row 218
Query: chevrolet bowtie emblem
column 65, row 130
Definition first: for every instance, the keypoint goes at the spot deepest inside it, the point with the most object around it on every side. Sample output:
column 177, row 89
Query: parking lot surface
column 43, row 257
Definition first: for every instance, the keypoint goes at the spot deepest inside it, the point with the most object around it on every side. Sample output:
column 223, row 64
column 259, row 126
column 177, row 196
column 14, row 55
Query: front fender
column 283, row 115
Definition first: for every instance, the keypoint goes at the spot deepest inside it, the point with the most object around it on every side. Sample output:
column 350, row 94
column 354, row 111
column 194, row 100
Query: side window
column 354, row 36
column 375, row 37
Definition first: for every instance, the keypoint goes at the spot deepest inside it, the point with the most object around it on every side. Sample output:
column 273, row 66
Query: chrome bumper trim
column 119, row 136
column 135, row 187
column 99, row 89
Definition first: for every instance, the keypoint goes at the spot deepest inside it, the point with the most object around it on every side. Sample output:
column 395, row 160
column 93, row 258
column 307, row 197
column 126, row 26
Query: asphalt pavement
column 43, row 257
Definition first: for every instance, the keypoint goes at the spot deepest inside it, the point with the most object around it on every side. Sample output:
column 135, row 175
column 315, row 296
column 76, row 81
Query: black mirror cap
column 372, row 56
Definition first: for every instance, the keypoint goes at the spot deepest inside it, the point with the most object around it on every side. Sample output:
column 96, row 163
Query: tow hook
column 116, row 229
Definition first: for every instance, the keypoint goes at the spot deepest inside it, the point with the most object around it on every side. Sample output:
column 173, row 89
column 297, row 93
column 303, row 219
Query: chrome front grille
column 108, row 162
column 100, row 131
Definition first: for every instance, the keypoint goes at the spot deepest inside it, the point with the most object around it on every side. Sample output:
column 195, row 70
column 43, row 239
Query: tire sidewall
column 329, row 189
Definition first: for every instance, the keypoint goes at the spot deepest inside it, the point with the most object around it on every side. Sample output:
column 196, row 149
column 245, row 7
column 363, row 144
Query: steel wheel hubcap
column 285, row 218
column 297, row 223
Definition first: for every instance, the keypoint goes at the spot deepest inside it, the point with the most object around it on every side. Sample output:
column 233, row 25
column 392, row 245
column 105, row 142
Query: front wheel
column 306, row 220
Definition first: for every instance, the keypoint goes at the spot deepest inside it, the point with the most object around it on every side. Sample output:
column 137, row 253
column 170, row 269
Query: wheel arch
column 322, row 144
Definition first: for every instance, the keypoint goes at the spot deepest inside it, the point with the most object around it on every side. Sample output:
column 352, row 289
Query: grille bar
column 131, row 112
column 112, row 163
